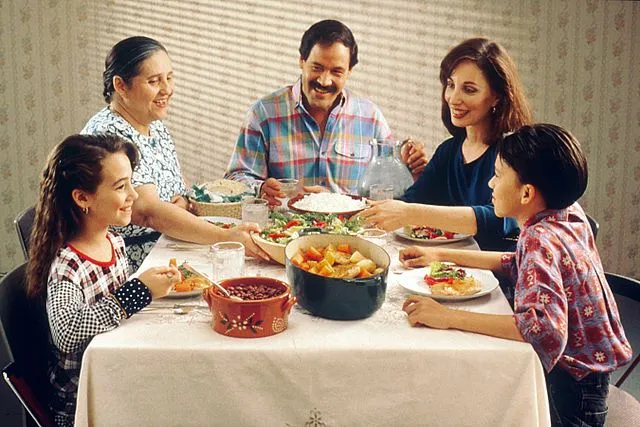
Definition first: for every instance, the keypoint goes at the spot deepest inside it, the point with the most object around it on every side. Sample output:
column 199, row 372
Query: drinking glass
column 289, row 186
column 381, row 191
column 375, row 235
column 256, row 210
column 228, row 260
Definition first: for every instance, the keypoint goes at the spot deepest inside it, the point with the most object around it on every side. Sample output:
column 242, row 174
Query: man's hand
column 270, row 191
column 414, row 155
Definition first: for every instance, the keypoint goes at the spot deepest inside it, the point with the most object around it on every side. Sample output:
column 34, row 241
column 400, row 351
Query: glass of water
column 256, row 210
column 228, row 260
column 381, row 191
column 375, row 235
column 289, row 186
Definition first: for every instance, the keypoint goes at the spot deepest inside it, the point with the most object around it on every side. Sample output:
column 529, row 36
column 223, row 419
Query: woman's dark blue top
column 448, row 181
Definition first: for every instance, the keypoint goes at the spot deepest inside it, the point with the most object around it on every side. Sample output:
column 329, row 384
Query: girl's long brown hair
column 75, row 163
column 512, row 110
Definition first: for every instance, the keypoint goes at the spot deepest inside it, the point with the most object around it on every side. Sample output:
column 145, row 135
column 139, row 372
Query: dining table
column 159, row 368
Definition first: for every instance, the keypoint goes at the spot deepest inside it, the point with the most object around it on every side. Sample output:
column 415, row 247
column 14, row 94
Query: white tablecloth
column 163, row 369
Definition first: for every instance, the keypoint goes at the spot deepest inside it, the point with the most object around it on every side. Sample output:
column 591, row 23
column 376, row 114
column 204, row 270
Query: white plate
column 204, row 268
column 456, row 238
column 413, row 280
column 223, row 219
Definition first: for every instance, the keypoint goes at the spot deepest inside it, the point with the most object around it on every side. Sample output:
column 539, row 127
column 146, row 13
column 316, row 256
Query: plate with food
column 193, row 282
column 448, row 282
column 328, row 203
column 431, row 235
column 222, row 221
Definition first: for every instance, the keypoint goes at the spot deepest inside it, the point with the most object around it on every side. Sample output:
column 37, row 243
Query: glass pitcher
column 385, row 167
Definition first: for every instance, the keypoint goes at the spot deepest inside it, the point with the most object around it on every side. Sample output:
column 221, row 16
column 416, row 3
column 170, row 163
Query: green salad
column 287, row 226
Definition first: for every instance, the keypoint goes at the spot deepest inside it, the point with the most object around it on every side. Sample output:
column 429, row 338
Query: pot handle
column 288, row 304
column 206, row 294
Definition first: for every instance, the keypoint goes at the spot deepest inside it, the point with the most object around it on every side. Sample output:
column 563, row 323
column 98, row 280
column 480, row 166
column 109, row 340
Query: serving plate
column 413, row 281
column 347, row 214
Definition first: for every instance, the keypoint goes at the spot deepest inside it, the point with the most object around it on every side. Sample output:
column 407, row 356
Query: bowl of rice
column 328, row 203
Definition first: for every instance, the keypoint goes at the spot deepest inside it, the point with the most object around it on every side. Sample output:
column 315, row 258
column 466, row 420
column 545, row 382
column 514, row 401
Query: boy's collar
column 550, row 214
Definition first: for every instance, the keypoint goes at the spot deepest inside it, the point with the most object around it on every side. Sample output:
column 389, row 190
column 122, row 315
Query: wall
column 576, row 61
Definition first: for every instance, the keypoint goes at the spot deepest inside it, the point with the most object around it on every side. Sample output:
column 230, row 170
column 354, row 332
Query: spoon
column 221, row 288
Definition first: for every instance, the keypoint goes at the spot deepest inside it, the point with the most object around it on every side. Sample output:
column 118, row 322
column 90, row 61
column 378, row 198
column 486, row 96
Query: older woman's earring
column 85, row 210
column 493, row 109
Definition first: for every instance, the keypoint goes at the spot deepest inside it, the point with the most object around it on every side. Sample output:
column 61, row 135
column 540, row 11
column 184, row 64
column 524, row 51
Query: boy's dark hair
column 326, row 33
column 549, row 158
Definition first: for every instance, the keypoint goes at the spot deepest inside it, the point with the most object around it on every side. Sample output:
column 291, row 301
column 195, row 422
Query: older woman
column 481, row 100
column 138, row 85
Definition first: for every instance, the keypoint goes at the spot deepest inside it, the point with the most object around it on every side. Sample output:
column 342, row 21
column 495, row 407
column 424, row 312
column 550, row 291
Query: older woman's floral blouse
column 158, row 166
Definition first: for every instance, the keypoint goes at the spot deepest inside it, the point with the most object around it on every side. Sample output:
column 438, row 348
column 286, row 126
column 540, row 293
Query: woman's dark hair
column 326, row 33
column 75, row 163
column 512, row 110
column 549, row 158
column 124, row 60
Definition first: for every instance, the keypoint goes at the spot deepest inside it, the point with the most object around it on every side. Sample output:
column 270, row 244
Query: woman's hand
column 386, row 214
column 242, row 234
column 425, row 311
column 414, row 155
column 414, row 256
column 160, row 280
column 315, row 189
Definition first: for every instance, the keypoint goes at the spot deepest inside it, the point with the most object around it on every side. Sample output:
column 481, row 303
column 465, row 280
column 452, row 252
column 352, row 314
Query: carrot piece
column 363, row 273
column 344, row 247
column 313, row 254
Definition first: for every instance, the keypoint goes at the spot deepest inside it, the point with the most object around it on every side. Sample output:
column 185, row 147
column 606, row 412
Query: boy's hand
column 160, row 280
column 425, row 311
column 414, row 256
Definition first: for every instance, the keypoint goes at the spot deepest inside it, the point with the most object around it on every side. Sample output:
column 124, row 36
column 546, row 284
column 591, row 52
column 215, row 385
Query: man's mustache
column 318, row 86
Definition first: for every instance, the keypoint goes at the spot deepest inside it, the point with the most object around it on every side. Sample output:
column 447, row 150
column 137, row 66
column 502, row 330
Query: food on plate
column 191, row 279
column 447, row 279
column 427, row 233
column 226, row 225
column 340, row 261
column 329, row 203
column 288, row 226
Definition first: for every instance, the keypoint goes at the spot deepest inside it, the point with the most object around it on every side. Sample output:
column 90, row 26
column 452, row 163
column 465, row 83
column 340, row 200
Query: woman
column 138, row 85
column 76, row 264
column 482, row 99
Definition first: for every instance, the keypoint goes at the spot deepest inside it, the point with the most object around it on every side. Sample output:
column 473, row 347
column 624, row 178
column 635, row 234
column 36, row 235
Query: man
column 315, row 130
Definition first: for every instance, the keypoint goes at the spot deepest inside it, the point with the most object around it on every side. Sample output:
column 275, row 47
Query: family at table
column 108, row 193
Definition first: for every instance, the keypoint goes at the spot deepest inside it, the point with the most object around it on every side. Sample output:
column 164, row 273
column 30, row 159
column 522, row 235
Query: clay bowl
column 333, row 298
column 250, row 318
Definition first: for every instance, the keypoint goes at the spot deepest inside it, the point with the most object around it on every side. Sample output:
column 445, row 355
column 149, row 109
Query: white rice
column 329, row 203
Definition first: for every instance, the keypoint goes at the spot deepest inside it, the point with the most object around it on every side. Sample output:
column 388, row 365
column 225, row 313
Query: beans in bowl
column 254, row 292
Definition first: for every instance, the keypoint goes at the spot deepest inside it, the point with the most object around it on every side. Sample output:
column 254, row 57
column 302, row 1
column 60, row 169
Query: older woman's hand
column 242, row 234
column 414, row 155
column 386, row 214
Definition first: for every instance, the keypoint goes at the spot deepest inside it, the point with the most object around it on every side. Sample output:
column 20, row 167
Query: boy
column 563, row 305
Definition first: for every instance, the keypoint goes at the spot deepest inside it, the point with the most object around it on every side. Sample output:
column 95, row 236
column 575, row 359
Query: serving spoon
column 218, row 286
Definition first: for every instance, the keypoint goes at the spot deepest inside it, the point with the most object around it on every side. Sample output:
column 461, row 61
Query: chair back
column 595, row 227
column 24, row 224
column 25, row 328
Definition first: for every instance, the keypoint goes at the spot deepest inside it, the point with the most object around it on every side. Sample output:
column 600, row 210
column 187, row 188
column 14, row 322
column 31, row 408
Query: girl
column 76, row 264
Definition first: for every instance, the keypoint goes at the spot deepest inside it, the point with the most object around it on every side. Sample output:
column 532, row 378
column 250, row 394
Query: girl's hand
column 386, row 214
column 242, row 234
column 160, row 280
column 425, row 311
column 414, row 257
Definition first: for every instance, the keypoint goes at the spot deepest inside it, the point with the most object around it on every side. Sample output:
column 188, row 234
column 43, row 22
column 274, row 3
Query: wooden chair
column 624, row 409
column 25, row 334
column 24, row 223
